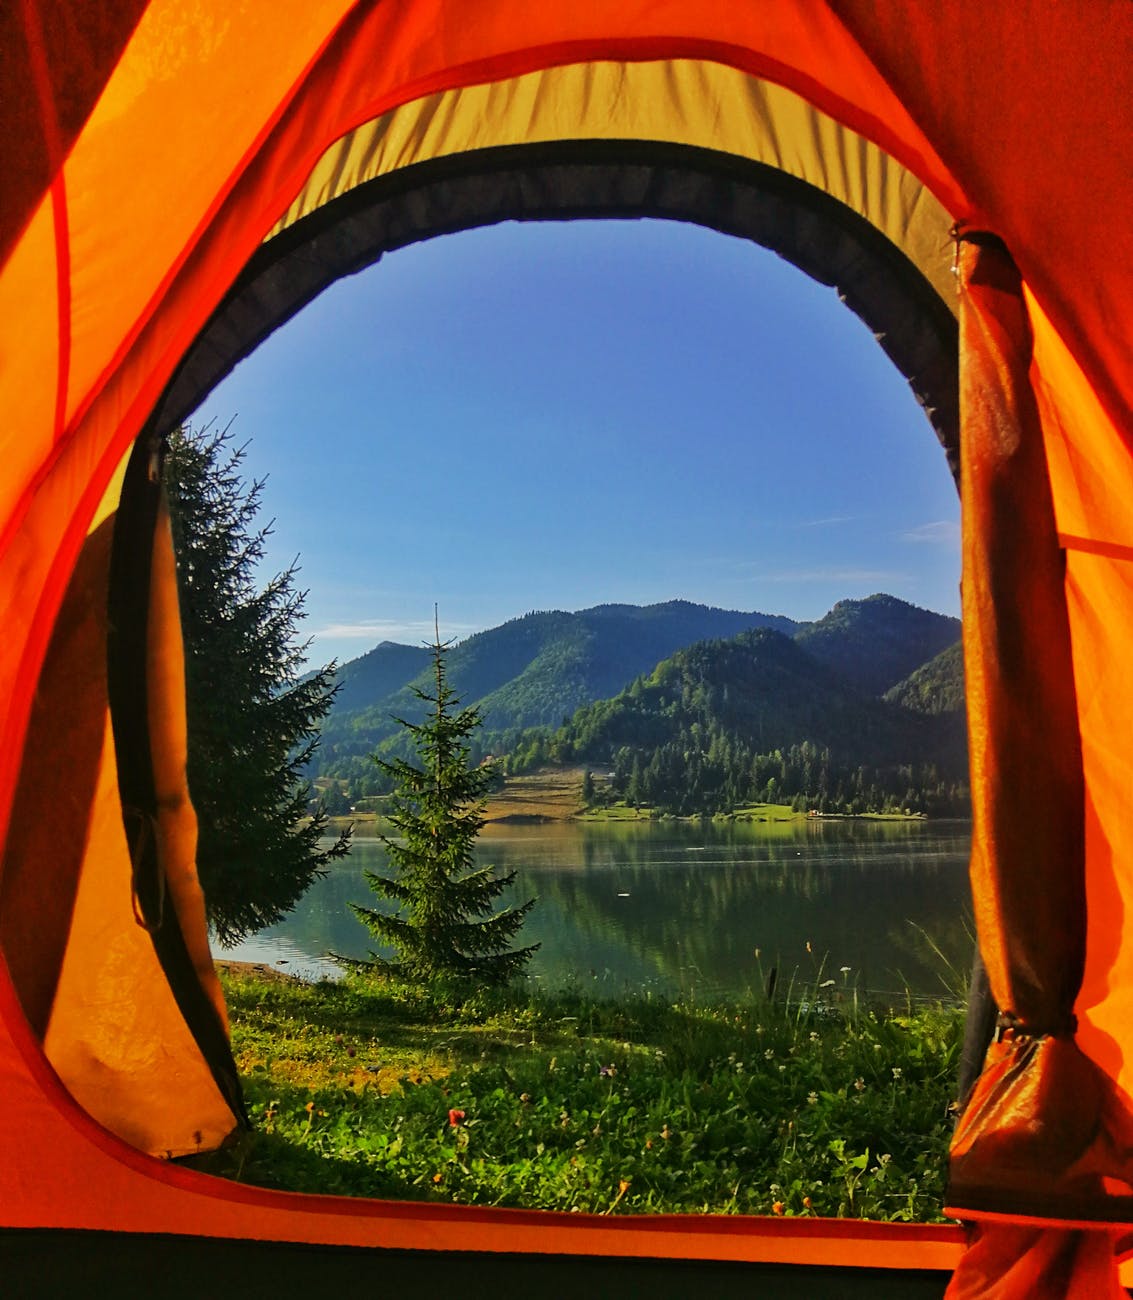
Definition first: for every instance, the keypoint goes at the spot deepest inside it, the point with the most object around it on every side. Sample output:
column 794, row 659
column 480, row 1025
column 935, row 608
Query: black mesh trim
column 587, row 178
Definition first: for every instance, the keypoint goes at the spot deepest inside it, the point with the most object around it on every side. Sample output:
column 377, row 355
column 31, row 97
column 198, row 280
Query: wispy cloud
column 829, row 521
column 941, row 532
column 390, row 629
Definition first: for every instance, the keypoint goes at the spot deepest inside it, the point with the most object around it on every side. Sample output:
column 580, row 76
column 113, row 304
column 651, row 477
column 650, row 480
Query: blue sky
column 555, row 415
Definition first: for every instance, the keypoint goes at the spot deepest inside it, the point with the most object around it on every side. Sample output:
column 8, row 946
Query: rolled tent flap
column 1045, row 1132
column 94, row 982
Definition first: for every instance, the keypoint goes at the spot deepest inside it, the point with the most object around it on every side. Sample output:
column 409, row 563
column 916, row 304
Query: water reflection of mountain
column 686, row 905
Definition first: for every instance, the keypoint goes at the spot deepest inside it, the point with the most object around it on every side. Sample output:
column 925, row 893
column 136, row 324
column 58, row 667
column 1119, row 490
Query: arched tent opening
column 990, row 113
column 627, row 179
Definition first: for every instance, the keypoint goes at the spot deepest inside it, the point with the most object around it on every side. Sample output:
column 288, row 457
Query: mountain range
column 528, row 672
column 786, row 682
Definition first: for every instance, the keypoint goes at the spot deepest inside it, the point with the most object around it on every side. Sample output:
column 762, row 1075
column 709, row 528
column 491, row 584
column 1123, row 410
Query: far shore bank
column 555, row 795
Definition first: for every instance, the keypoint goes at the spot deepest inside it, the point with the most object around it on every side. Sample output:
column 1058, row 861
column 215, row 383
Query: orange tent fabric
column 154, row 147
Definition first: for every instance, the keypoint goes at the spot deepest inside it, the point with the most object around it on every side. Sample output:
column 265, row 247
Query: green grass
column 642, row 1106
column 618, row 812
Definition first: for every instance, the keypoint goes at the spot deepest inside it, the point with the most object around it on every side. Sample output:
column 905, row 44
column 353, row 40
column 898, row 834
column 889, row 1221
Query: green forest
column 755, row 719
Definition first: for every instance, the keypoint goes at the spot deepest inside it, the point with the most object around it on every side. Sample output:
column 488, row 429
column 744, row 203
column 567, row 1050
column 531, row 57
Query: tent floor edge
column 48, row 1262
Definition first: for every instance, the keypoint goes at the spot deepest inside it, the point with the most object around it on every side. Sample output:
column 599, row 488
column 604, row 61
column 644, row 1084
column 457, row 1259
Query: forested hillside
column 757, row 718
column 877, row 642
column 531, row 671
column 935, row 687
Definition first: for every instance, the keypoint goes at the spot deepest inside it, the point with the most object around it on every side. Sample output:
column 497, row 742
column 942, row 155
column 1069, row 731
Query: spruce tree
column 443, row 924
column 252, row 714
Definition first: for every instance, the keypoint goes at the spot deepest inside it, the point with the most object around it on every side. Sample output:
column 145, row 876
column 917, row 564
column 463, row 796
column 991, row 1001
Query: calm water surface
column 700, row 908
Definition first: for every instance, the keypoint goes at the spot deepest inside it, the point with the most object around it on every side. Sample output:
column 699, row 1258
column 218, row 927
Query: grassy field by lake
column 555, row 794
column 558, row 1101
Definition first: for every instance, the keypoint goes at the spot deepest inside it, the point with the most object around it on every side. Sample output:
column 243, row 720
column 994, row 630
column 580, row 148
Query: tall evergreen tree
column 444, row 923
column 253, row 717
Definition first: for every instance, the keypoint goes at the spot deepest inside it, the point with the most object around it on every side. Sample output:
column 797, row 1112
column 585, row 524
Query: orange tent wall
column 1018, row 118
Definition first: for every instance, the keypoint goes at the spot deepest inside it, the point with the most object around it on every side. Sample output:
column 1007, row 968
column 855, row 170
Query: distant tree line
column 688, row 776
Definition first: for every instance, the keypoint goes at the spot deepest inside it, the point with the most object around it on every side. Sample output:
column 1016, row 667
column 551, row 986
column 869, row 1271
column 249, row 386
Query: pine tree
column 444, row 924
column 252, row 717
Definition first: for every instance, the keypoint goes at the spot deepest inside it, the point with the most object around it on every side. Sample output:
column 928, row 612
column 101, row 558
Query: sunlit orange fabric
column 176, row 819
column 1027, row 796
column 47, row 841
column 95, row 991
column 56, row 59
column 1013, row 1262
column 1044, row 1131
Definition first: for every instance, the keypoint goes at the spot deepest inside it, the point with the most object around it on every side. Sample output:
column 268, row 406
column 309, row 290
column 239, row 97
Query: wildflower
column 564, row 1118
column 777, row 1208
column 808, row 947
column 806, row 1202
column 739, row 1067
column 759, row 1029
column 309, row 1107
column 666, row 1132
column 454, row 1117
column 525, row 1097
column 623, row 1186
column 607, row 1071
column 845, row 970
column 437, row 1178
column 896, row 1071
column 649, row 1144
column 826, row 984
column 769, row 1055
column 812, row 1098
column 814, row 1036
column 859, row 1085
column 782, row 1068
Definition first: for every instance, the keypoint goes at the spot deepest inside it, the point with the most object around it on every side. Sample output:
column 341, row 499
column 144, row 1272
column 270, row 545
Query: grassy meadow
column 371, row 1087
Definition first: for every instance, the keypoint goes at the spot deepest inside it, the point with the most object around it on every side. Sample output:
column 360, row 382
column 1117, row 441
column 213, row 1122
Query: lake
column 699, row 908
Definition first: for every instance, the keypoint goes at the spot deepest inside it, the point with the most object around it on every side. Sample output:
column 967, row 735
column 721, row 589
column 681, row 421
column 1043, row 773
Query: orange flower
column 777, row 1208
column 806, row 1202
column 436, row 1178
column 623, row 1187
